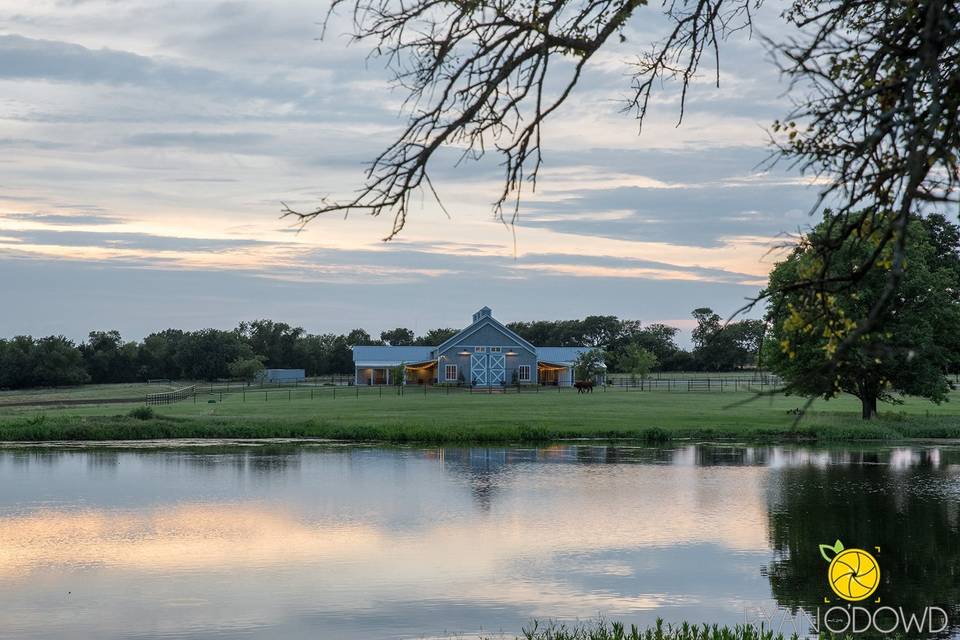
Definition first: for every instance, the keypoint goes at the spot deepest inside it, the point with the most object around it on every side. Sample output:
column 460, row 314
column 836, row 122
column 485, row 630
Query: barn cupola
column 482, row 313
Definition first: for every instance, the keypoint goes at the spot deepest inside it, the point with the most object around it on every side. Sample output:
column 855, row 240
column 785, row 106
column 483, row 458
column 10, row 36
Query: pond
column 282, row 540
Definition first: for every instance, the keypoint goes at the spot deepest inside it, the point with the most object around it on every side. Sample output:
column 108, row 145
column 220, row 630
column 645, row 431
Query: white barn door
column 497, row 369
column 478, row 369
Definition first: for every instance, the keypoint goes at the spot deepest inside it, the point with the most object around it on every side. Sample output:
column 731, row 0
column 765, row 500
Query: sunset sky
column 147, row 147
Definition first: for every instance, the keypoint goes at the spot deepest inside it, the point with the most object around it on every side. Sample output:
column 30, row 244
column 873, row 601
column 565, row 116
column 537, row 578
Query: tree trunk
column 869, row 404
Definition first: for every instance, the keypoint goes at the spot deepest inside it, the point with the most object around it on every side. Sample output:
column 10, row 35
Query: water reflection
column 896, row 501
column 295, row 541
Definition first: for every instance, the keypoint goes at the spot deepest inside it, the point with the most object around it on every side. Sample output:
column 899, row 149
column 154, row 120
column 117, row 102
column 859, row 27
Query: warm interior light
column 511, row 353
column 464, row 353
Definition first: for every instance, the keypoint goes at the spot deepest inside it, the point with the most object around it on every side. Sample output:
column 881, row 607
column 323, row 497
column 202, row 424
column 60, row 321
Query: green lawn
column 137, row 390
column 480, row 417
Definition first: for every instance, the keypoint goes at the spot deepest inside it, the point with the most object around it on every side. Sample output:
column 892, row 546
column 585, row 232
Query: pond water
column 307, row 541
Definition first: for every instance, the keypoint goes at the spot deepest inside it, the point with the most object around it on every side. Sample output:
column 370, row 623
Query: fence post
column 244, row 395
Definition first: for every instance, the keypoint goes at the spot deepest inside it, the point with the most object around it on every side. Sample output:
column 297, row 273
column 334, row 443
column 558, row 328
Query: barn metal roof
column 560, row 355
column 384, row 356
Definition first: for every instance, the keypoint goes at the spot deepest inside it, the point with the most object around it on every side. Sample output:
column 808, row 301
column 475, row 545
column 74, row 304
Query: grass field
column 86, row 392
column 365, row 414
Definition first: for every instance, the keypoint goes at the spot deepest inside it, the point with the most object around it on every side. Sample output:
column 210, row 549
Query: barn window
column 479, row 349
column 494, row 349
column 523, row 373
column 450, row 372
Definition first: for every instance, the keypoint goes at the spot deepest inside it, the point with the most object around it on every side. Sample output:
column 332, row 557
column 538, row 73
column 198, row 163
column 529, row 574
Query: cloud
column 23, row 58
column 156, row 141
column 235, row 141
column 65, row 219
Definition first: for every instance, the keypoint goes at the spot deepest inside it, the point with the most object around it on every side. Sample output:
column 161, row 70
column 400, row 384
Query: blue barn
column 484, row 354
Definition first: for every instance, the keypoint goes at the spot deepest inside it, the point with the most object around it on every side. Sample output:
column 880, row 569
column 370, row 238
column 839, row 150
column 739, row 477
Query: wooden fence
column 170, row 397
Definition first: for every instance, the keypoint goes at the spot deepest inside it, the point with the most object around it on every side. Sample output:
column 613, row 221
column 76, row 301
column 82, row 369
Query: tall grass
column 602, row 630
column 140, row 426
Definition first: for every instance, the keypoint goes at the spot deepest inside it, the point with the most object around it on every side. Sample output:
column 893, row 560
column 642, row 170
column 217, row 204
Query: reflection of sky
column 378, row 543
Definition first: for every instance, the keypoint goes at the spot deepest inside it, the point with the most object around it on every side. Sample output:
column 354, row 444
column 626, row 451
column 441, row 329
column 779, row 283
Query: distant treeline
column 211, row 354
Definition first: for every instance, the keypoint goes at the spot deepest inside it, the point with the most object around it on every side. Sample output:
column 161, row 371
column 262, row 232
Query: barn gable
column 485, row 330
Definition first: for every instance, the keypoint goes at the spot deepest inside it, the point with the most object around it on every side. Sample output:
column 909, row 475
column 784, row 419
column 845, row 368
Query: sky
column 146, row 148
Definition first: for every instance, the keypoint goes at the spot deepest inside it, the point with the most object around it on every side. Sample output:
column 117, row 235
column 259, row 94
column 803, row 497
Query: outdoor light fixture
column 464, row 353
column 511, row 353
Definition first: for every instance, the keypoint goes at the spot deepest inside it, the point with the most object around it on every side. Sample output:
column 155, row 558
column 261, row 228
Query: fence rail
column 704, row 385
column 309, row 392
column 170, row 397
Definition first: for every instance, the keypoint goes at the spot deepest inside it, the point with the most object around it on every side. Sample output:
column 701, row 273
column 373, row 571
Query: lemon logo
column 854, row 574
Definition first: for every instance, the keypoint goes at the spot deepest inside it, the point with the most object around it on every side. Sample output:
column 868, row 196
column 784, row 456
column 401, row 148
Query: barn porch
column 420, row 372
column 554, row 374
column 384, row 373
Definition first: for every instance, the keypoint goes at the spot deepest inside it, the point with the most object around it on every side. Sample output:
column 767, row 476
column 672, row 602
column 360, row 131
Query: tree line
column 213, row 354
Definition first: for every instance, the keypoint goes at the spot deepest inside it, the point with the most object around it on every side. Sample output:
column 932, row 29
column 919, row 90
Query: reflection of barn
column 484, row 354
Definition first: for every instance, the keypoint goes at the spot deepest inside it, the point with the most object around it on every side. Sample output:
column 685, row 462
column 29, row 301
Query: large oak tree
column 919, row 341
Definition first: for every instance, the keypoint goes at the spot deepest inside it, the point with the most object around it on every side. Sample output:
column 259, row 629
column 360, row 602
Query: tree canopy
column 920, row 339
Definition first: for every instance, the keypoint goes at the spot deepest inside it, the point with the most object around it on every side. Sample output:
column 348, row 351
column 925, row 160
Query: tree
column 17, row 363
column 359, row 337
column 277, row 342
column 207, row 354
column 660, row 340
column 599, row 331
column 109, row 359
column 920, row 325
column 397, row 337
column 719, row 347
column 340, row 355
column 879, row 125
column 589, row 365
column 637, row 361
column 57, row 361
column 246, row 368
column 158, row 355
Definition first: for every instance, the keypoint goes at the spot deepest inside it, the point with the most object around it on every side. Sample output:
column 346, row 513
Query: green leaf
column 836, row 548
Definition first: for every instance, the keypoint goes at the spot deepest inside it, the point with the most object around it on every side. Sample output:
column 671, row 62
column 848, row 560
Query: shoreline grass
column 603, row 630
column 812, row 428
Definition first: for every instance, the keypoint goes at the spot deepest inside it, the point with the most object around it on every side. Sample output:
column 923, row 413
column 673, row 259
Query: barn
column 484, row 354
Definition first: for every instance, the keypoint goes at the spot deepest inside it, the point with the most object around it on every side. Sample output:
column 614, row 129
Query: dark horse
column 584, row 386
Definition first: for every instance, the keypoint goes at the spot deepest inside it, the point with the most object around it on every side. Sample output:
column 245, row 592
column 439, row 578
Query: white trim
column 496, row 369
column 478, row 369
column 496, row 350
column 476, row 326
column 520, row 376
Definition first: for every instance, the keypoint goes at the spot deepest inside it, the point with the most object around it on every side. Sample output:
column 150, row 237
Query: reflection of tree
column 905, row 513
